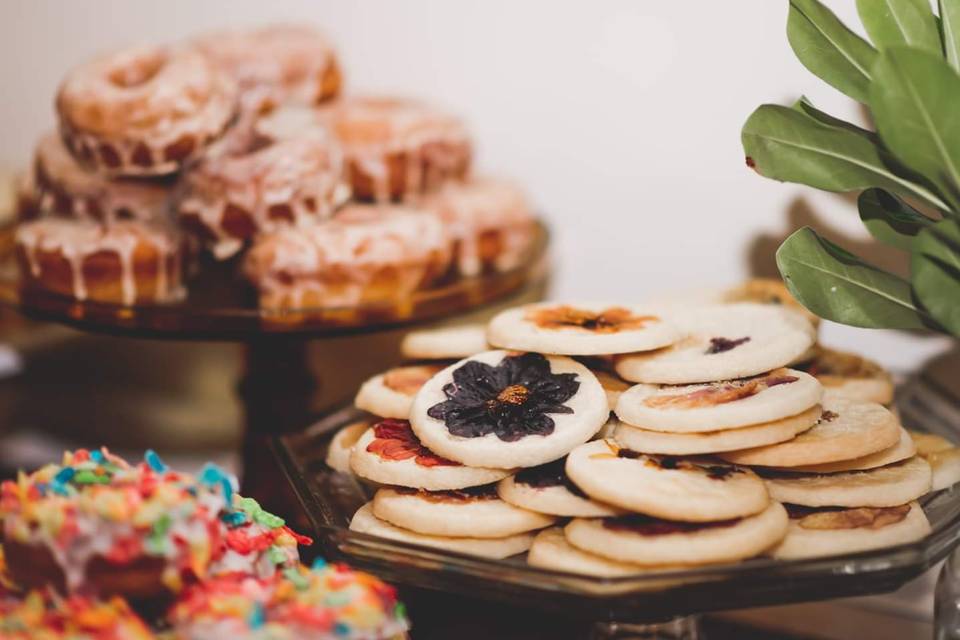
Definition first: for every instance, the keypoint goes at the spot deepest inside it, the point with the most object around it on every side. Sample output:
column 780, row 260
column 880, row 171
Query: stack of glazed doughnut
column 240, row 145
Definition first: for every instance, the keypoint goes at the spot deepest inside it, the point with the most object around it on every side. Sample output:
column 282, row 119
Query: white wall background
column 622, row 116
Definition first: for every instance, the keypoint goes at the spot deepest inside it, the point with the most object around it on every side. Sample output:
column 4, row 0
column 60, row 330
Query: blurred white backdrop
column 621, row 116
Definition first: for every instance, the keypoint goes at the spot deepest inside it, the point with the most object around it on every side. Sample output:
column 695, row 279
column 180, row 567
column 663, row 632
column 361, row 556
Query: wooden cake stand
column 277, row 384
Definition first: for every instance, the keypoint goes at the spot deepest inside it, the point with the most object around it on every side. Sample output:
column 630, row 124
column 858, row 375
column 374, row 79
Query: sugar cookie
column 887, row 486
column 547, row 489
column 501, row 409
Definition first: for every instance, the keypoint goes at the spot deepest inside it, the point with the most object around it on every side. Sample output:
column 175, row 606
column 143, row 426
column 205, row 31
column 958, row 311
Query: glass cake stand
column 277, row 383
column 655, row 605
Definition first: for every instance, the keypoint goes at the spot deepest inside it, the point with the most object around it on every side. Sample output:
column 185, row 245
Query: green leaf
column 950, row 31
column 936, row 272
column 892, row 23
column 803, row 105
column 889, row 219
column 839, row 286
column 914, row 102
column 785, row 144
column 829, row 49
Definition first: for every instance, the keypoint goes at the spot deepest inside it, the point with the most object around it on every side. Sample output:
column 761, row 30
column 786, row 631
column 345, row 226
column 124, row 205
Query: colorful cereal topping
column 43, row 615
column 325, row 601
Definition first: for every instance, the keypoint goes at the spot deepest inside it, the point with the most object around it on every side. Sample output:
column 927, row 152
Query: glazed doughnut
column 45, row 615
column 275, row 65
column 327, row 601
column 395, row 148
column 365, row 253
column 128, row 262
column 144, row 111
column 490, row 220
column 64, row 187
column 284, row 171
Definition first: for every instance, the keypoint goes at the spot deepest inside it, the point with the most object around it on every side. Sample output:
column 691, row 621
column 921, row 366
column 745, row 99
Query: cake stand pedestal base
column 685, row 628
column 276, row 391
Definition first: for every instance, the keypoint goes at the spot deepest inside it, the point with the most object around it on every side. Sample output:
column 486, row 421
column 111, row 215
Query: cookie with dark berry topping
column 847, row 429
column 723, row 342
column 548, row 489
column 648, row 540
column 364, row 521
column 821, row 532
column 683, row 489
column 477, row 512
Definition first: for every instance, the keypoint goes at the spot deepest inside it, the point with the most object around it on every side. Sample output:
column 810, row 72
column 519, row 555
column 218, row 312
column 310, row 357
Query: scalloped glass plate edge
column 329, row 499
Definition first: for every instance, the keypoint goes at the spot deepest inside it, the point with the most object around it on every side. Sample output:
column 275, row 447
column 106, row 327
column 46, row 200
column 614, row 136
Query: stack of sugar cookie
column 637, row 438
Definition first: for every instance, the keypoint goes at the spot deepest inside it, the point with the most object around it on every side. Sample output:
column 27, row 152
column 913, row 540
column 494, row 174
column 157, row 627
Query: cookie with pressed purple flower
column 548, row 489
column 390, row 394
column 505, row 410
column 364, row 521
column 646, row 540
column 476, row 512
column 580, row 329
column 390, row 453
column 728, row 404
column 814, row 533
column 723, row 342
column 685, row 489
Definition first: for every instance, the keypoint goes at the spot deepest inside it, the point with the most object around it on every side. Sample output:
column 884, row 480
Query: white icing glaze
column 285, row 159
column 274, row 64
column 372, row 130
column 337, row 259
column 61, row 181
column 115, row 99
column 481, row 205
column 76, row 240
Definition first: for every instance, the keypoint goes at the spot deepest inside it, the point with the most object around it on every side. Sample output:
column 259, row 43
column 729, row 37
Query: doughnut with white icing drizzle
column 365, row 253
column 283, row 171
column 128, row 262
column 395, row 148
column 64, row 187
column 276, row 64
column 145, row 110
column 491, row 222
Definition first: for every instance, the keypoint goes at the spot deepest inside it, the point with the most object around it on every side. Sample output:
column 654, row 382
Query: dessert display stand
column 277, row 384
column 656, row 605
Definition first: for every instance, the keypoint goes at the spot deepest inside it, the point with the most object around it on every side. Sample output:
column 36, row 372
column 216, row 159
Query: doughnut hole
column 138, row 70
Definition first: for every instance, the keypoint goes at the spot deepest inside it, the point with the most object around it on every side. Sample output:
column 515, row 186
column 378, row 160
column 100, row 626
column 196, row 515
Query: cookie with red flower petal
column 503, row 409
column 580, row 329
column 716, row 406
column 390, row 453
